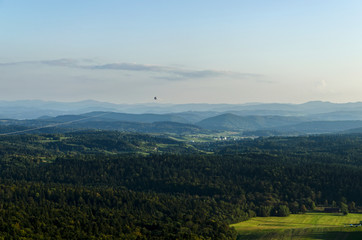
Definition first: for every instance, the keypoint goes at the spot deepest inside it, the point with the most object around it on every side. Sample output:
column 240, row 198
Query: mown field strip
column 308, row 220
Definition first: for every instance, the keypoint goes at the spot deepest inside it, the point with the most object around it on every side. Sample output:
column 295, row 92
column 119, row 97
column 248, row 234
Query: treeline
column 342, row 149
column 58, row 211
column 251, row 179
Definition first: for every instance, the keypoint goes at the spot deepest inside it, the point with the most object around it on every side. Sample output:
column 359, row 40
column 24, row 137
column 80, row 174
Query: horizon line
column 168, row 103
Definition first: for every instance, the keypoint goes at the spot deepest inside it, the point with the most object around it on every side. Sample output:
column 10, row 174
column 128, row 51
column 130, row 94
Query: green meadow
column 313, row 225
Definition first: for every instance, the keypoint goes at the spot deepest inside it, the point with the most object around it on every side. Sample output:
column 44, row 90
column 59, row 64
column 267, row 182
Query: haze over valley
column 243, row 119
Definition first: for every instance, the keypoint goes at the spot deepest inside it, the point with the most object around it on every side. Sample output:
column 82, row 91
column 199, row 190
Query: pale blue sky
column 181, row 51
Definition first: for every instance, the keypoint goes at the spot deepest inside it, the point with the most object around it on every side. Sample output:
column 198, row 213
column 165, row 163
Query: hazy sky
column 181, row 51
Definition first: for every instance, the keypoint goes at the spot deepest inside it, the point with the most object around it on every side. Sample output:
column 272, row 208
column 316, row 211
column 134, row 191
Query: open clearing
column 313, row 225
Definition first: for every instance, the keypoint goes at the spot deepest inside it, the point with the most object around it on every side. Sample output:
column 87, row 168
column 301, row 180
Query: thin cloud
column 61, row 62
column 177, row 72
column 166, row 72
column 131, row 67
column 174, row 73
column 57, row 62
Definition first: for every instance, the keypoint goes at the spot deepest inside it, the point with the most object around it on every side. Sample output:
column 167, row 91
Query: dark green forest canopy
column 95, row 184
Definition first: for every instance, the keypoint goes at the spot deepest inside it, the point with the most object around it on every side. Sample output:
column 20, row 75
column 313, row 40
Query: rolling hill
column 230, row 121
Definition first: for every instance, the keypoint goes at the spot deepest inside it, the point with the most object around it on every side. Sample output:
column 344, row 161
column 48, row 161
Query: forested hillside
column 111, row 185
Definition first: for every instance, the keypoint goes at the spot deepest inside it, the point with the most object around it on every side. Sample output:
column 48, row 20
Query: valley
column 109, row 175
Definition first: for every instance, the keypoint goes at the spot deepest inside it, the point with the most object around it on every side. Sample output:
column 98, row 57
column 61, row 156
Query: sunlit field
column 302, row 226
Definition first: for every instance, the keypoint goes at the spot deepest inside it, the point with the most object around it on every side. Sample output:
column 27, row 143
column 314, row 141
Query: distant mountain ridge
column 246, row 119
column 123, row 117
column 31, row 109
column 230, row 121
column 38, row 126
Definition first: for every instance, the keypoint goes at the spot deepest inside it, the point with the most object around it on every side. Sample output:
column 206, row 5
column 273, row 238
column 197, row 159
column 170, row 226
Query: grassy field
column 314, row 225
